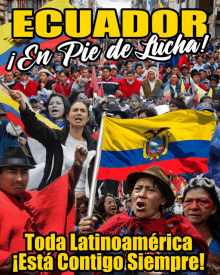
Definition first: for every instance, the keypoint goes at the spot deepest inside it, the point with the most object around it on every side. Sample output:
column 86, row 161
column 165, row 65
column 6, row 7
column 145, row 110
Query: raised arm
column 34, row 127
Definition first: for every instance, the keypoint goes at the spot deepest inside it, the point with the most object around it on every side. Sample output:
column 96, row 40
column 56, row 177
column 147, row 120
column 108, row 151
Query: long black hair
column 213, row 220
column 101, row 207
column 65, row 103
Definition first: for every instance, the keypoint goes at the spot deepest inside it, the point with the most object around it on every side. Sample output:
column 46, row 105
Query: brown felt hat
column 161, row 178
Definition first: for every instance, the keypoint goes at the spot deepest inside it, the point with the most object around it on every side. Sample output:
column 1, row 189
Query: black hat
column 122, row 98
column 23, row 72
column 184, row 66
column 74, row 69
column 14, row 156
column 2, row 113
column 115, row 109
column 214, row 77
column 194, row 72
column 158, row 93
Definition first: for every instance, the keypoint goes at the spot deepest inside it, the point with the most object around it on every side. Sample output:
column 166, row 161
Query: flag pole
column 96, row 169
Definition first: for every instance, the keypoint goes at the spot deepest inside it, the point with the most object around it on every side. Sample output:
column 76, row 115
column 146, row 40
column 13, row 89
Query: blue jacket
column 214, row 157
column 6, row 139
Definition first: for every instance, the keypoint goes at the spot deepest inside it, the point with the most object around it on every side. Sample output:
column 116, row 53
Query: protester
column 178, row 205
column 56, row 109
column 129, row 85
column 185, row 76
column 107, row 206
column 201, row 206
column 26, row 86
column 114, row 72
column 8, row 136
column 64, row 85
column 45, row 85
column 151, row 83
column 50, row 210
column 122, row 103
column 10, row 81
column 151, row 193
column 60, row 144
column 135, row 103
column 108, row 82
column 177, row 104
column 34, row 102
column 199, row 63
column 148, row 112
column 214, row 81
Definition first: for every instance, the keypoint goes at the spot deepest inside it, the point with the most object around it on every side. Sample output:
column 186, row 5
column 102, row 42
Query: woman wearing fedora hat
column 151, row 193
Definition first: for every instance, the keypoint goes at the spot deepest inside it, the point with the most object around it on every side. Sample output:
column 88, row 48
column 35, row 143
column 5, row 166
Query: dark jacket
column 178, row 90
column 52, row 139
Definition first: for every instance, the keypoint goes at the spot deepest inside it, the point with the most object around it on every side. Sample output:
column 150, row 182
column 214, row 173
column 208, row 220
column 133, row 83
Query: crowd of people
column 132, row 90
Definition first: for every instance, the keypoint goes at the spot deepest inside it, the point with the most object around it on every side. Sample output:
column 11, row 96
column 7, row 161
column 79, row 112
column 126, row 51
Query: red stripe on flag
column 176, row 166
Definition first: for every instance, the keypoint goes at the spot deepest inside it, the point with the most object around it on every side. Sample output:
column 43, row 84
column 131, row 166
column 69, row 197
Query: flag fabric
column 183, row 60
column 139, row 46
column 101, row 94
column 8, row 44
column 175, row 182
column 11, row 108
column 120, row 189
column 167, row 93
column 200, row 91
column 161, row 5
column 179, row 144
column 182, row 184
column 183, row 89
column 210, row 92
column 174, row 190
column 94, row 83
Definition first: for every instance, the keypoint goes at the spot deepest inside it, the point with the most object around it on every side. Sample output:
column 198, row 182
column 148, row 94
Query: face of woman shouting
column 146, row 198
column 78, row 115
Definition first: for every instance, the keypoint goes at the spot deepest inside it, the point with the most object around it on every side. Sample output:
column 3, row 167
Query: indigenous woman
column 151, row 193
column 202, row 208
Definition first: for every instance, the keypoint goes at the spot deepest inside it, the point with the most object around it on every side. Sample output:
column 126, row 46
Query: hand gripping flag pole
column 96, row 169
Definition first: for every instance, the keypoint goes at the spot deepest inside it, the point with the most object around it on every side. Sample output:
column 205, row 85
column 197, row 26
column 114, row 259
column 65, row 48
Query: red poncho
column 178, row 225
column 49, row 210
column 29, row 90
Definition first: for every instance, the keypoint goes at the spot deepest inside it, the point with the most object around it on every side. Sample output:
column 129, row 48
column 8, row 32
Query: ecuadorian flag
column 178, row 142
column 11, row 108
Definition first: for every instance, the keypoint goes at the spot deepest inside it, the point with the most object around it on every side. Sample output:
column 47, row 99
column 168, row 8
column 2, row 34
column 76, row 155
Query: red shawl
column 178, row 225
column 49, row 210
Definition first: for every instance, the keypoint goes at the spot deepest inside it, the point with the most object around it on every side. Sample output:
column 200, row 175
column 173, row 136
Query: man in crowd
column 129, row 85
column 17, row 204
column 109, row 82
column 10, row 81
column 26, row 86
column 151, row 83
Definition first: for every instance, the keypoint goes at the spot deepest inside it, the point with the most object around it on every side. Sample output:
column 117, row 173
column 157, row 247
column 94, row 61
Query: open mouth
column 140, row 206
column 54, row 111
column 78, row 119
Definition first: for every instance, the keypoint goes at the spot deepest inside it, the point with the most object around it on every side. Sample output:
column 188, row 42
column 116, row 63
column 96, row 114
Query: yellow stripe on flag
column 7, row 100
column 129, row 134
